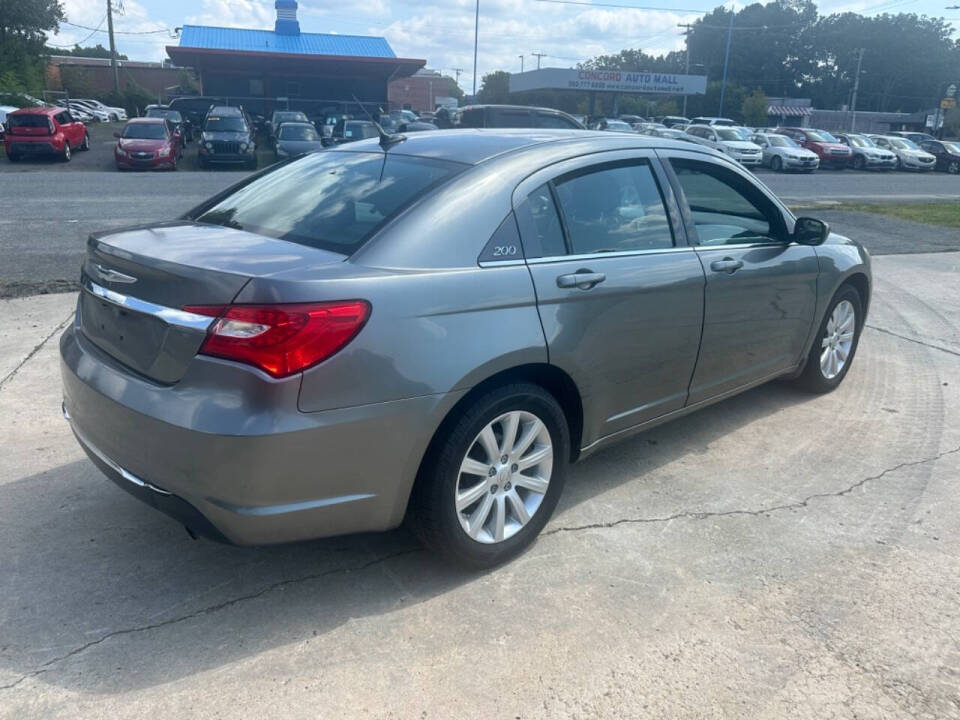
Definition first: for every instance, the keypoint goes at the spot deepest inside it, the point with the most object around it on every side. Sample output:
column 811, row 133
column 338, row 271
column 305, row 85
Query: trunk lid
column 135, row 282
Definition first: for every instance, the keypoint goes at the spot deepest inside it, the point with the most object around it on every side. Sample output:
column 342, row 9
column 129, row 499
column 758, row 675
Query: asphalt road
column 48, row 213
column 776, row 556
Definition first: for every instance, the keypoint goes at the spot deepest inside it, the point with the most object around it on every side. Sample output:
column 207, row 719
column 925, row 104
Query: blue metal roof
column 243, row 40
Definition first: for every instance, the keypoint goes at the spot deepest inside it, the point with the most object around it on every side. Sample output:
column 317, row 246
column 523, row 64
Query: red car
column 832, row 152
column 149, row 144
column 44, row 131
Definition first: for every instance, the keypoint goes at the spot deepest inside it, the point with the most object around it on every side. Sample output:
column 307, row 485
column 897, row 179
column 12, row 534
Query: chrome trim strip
column 500, row 263
column 266, row 510
column 128, row 476
column 600, row 256
column 171, row 316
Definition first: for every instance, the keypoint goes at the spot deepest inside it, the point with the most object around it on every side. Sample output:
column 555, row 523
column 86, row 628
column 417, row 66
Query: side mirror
column 810, row 231
column 116, row 134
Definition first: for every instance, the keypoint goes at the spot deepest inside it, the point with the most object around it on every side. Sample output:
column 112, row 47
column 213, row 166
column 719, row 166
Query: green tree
column 24, row 25
column 495, row 88
column 95, row 51
column 754, row 108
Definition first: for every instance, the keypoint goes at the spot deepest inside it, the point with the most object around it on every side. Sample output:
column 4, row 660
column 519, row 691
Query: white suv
column 728, row 141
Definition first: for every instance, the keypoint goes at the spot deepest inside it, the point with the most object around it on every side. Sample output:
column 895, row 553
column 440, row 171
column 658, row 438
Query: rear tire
column 859, row 163
column 447, row 499
column 776, row 164
column 67, row 153
column 953, row 167
column 85, row 145
column 819, row 376
column 13, row 157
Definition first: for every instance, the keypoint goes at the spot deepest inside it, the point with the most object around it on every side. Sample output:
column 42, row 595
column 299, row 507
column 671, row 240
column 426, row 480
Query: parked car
column 916, row 137
column 4, row 111
column 347, row 131
column 674, row 120
column 673, row 134
column 114, row 114
column 360, row 336
column 647, row 128
column 946, row 152
column 781, row 153
column 418, row 126
column 173, row 117
column 909, row 155
column 709, row 120
column 611, row 125
column 227, row 137
column 832, row 153
column 631, row 119
column 295, row 138
column 728, row 141
column 194, row 110
column 147, row 144
column 83, row 112
column 284, row 116
column 38, row 131
column 866, row 155
column 514, row 116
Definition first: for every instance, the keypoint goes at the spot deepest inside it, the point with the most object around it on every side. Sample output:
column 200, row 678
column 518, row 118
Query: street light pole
column 476, row 38
column 521, row 62
column 687, row 70
column 726, row 61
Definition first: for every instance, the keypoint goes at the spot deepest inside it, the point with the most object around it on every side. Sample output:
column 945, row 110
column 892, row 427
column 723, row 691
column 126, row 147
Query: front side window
column 727, row 208
column 549, row 120
column 613, row 209
column 334, row 201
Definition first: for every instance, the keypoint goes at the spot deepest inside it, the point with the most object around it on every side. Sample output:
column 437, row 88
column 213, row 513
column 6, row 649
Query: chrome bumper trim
column 172, row 316
column 128, row 476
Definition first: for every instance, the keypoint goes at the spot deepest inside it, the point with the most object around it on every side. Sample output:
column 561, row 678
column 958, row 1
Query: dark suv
column 516, row 116
column 227, row 137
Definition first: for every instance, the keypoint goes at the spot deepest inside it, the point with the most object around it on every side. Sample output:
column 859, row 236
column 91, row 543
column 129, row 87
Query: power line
column 93, row 32
column 118, row 32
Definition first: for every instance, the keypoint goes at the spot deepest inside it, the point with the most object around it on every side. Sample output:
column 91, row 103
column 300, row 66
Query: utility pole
column 688, row 31
column 538, row 56
column 856, row 87
column 476, row 38
column 113, row 48
column 521, row 62
column 726, row 60
column 457, row 71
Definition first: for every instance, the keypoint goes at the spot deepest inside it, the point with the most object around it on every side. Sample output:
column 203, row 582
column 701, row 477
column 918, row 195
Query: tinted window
column 502, row 118
column 613, row 209
column 334, row 200
column 171, row 115
column 298, row 132
column 727, row 209
column 472, row 118
column 28, row 121
column 359, row 130
column 549, row 120
column 540, row 225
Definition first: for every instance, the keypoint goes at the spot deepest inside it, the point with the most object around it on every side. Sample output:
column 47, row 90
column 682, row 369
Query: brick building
column 420, row 91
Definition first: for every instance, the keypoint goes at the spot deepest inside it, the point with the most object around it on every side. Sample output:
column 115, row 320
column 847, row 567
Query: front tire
column 492, row 477
column 85, row 145
column 859, row 163
column 776, row 164
column 954, row 167
column 835, row 344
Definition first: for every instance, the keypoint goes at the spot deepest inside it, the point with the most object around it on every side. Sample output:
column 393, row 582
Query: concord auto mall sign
column 608, row 81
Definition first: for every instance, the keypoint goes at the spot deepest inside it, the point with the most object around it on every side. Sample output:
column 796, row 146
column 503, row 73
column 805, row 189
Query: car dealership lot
column 48, row 214
column 777, row 555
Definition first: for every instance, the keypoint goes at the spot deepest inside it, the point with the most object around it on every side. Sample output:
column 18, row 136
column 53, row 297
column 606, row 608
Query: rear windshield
column 282, row 117
column 144, row 131
column 821, row 136
column 333, row 201
column 225, row 124
column 28, row 121
column 359, row 130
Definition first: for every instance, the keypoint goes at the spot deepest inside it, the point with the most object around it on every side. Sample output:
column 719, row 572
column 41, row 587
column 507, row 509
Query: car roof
column 146, row 121
column 53, row 110
column 473, row 146
column 297, row 123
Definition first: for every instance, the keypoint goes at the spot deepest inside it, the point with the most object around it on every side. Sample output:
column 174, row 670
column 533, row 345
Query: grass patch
column 946, row 213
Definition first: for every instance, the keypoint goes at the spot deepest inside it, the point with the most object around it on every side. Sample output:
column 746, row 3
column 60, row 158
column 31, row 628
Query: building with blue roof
column 265, row 70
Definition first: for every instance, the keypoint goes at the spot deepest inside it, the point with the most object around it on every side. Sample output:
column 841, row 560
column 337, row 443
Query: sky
column 440, row 31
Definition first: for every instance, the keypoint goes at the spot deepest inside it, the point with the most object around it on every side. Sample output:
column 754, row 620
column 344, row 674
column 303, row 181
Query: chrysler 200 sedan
column 434, row 327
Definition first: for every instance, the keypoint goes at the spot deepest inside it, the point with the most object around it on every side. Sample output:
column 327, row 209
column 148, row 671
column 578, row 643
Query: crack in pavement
column 384, row 558
column 210, row 609
column 9, row 376
column 913, row 340
column 692, row 515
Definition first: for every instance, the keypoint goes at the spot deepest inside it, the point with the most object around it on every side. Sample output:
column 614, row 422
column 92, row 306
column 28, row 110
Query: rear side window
column 472, row 118
column 335, row 201
column 540, row 224
column 503, row 118
column 615, row 208
column 549, row 120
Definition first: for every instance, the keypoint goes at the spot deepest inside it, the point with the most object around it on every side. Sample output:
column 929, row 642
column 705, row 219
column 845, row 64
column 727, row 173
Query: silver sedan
column 435, row 326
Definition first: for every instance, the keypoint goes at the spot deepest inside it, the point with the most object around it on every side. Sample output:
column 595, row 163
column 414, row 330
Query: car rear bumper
column 37, row 148
column 242, row 464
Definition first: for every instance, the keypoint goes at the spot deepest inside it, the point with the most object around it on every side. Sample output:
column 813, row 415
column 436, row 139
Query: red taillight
column 281, row 339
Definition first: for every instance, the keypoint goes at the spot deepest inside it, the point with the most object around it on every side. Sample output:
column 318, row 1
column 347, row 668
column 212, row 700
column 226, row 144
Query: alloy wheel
column 837, row 340
column 953, row 168
column 504, row 477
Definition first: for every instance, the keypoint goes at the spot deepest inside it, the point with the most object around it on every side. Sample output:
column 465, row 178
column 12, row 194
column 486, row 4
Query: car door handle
column 727, row 265
column 582, row 279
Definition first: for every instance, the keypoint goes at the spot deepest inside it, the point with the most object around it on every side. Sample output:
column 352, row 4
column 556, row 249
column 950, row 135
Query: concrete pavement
column 775, row 556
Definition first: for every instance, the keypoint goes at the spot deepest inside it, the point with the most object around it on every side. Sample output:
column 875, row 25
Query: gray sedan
column 435, row 326
column 296, row 138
